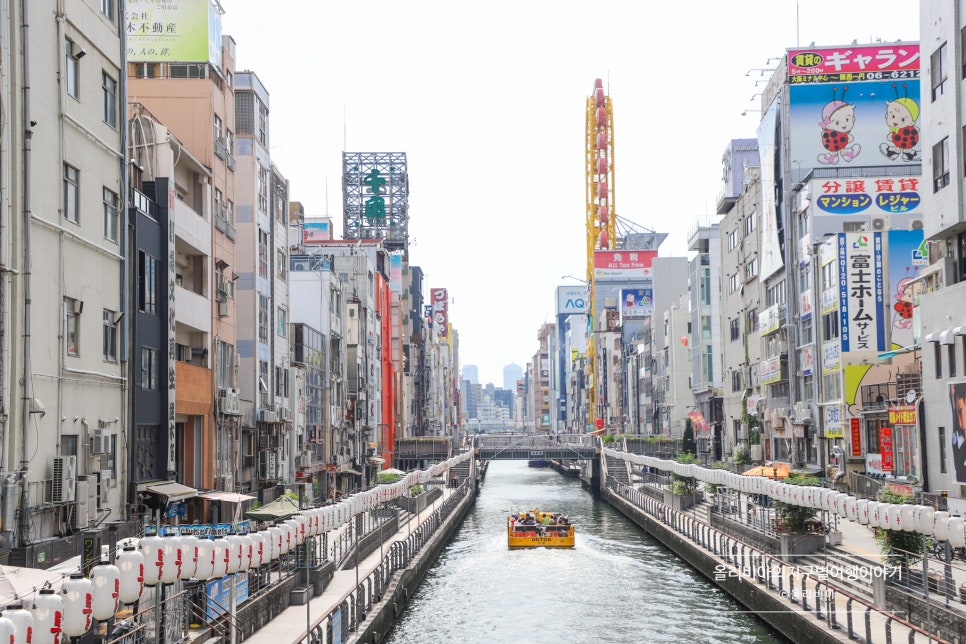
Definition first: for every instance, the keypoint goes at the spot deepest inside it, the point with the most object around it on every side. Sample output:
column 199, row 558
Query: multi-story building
column 704, row 270
column 65, row 375
column 740, row 300
column 194, row 99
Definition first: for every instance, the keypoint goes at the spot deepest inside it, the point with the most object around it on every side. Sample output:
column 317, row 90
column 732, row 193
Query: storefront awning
column 172, row 491
column 228, row 497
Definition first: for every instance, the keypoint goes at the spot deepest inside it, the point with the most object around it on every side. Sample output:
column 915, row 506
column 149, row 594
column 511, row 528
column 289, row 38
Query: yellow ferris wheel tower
column 601, row 216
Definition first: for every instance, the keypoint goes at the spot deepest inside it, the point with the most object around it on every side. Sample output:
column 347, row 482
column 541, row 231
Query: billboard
column 886, row 197
column 907, row 254
column 957, row 412
column 623, row 264
column 861, row 292
column 571, row 300
column 187, row 31
column 854, row 105
column 439, row 304
column 316, row 230
column 771, row 250
column 636, row 302
column 395, row 272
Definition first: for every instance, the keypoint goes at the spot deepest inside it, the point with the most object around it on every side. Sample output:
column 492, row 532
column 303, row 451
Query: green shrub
column 416, row 490
column 795, row 516
column 684, row 484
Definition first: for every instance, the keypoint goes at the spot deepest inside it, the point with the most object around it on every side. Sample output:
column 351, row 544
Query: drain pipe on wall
column 23, row 532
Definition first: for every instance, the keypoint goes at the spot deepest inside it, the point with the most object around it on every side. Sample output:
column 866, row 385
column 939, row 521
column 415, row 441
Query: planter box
column 682, row 501
column 299, row 595
column 794, row 546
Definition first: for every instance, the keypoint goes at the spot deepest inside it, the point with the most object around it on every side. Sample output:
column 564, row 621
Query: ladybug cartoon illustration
column 901, row 116
column 838, row 119
column 906, row 295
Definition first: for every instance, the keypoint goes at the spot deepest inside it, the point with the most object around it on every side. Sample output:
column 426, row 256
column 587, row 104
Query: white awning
column 229, row 497
column 946, row 337
column 169, row 489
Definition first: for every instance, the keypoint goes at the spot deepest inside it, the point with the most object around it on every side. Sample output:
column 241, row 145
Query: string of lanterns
column 72, row 611
column 909, row 517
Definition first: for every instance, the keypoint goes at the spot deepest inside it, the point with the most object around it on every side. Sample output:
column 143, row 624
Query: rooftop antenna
column 344, row 129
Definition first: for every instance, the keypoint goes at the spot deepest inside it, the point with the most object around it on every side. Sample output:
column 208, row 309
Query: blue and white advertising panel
column 908, row 253
column 636, row 302
column 861, row 292
column 571, row 300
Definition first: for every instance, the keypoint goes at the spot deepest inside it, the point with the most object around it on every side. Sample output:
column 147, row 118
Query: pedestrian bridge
column 528, row 447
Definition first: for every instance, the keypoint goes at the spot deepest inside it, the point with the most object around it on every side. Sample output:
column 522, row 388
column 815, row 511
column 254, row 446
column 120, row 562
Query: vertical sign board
column 636, row 302
column 440, row 311
column 908, row 254
column 861, row 292
column 855, row 424
column 885, row 447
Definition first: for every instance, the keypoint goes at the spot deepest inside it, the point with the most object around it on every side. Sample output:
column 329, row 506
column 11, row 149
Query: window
column 775, row 294
column 732, row 239
column 149, row 368
column 218, row 212
column 830, row 326
column 751, row 269
column 262, row 188
column 937, row 69
column 263, row 308
column 281, row 323
column 262, row 253
column 109, row 89
column 733, row 283
column 951, row 356
column 224, row 363
column 107, row 8
column 736, row 380
column 750, row 224
column 217, row 128
column 962, row 43
column 110, row 336
column 942, row 450
column 230, row 141
column 145, row 70
column 735, row 329
column 110, row 215
column 229, row 212
column 147, row 283
column 72, row 308
column 938, row 359
column 940, row 165
column 752, row 320
column 73, row 68
column 71, row 193
column 282, row 263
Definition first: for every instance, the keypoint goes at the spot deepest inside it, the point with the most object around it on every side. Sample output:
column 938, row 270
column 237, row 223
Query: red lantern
column 684, row 340
column 599, row 423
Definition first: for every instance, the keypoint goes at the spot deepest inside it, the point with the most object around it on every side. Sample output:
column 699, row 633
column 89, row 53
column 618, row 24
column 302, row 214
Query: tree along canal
column 616, row 585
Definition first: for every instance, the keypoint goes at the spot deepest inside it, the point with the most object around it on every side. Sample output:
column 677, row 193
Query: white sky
column 488, row 97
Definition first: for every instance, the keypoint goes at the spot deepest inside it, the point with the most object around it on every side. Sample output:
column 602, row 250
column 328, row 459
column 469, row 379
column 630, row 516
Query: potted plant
column 684, row 489
column 898, row 547
column 795, row 521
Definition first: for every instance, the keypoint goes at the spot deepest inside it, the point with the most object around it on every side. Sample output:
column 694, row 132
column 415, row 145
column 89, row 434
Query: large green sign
column 184, row 31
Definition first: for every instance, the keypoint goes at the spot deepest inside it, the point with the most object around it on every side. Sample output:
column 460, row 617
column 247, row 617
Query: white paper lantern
column 78, row 596
column 925, row 518
column 940, row 527
column 851, row 510
column 873, row 509
column 107, row 591
column 205, row 567
column 862, row 511
column 259, row 556
column 130, row 563
column 907, row 520
column 221, row 557
column 840, row 508
column 276, row 542
column 171, row 566
column 48, row 612
column 189, row 556
column 248, row 545
column 23, row 621
column 888, row 514
column 957, row 534
column 153, row 550
column 235, row 552
column 8, row 630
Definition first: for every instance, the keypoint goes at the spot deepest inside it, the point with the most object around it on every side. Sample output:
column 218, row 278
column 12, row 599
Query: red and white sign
column 885, row 447
column 623, row 264
column 851, row 63
column 440, row 303
column 856, row 426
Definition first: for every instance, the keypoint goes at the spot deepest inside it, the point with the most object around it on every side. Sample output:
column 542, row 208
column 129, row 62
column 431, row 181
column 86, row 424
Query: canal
column 616, row 585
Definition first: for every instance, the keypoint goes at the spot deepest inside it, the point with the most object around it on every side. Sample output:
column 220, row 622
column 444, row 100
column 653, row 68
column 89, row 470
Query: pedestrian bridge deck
column 557, row 447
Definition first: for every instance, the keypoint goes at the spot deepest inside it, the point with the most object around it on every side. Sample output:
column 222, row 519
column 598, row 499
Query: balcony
column 192, row 227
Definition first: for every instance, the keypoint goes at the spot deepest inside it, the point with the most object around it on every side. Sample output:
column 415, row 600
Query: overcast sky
column 488, row 100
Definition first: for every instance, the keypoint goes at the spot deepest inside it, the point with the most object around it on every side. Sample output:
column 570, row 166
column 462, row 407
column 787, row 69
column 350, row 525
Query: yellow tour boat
column 536, row 529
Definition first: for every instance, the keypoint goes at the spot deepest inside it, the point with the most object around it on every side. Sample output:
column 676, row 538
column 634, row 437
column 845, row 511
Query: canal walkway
column 321, row 614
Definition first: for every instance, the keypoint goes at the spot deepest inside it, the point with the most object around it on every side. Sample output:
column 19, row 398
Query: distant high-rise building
column 512, row 373
column 471, row 373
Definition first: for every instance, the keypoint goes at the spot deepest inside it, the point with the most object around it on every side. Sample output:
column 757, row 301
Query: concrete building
column 65, row 376
column 195, row 100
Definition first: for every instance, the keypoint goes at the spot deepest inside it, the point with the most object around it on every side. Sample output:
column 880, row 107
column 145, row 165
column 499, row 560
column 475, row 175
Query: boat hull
column 542, row 530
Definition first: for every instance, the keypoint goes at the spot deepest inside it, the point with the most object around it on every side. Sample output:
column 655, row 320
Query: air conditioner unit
column 803, row 412
column 228, row 401
column 303, row 460
column 915, row 224
column 756, row 452
column 101, row 442
column 880, row 223
column 300, row 265
column 103, row 487
column 64, row 479
column 223, row 309
column 82, row 511
column 284, row 414
column 267, row 416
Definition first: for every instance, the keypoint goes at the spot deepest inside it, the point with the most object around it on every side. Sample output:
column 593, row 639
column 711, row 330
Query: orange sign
column 902, row 415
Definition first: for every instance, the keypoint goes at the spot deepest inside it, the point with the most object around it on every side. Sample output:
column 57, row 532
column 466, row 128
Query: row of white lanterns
column 892, row 516
column 166, row 559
